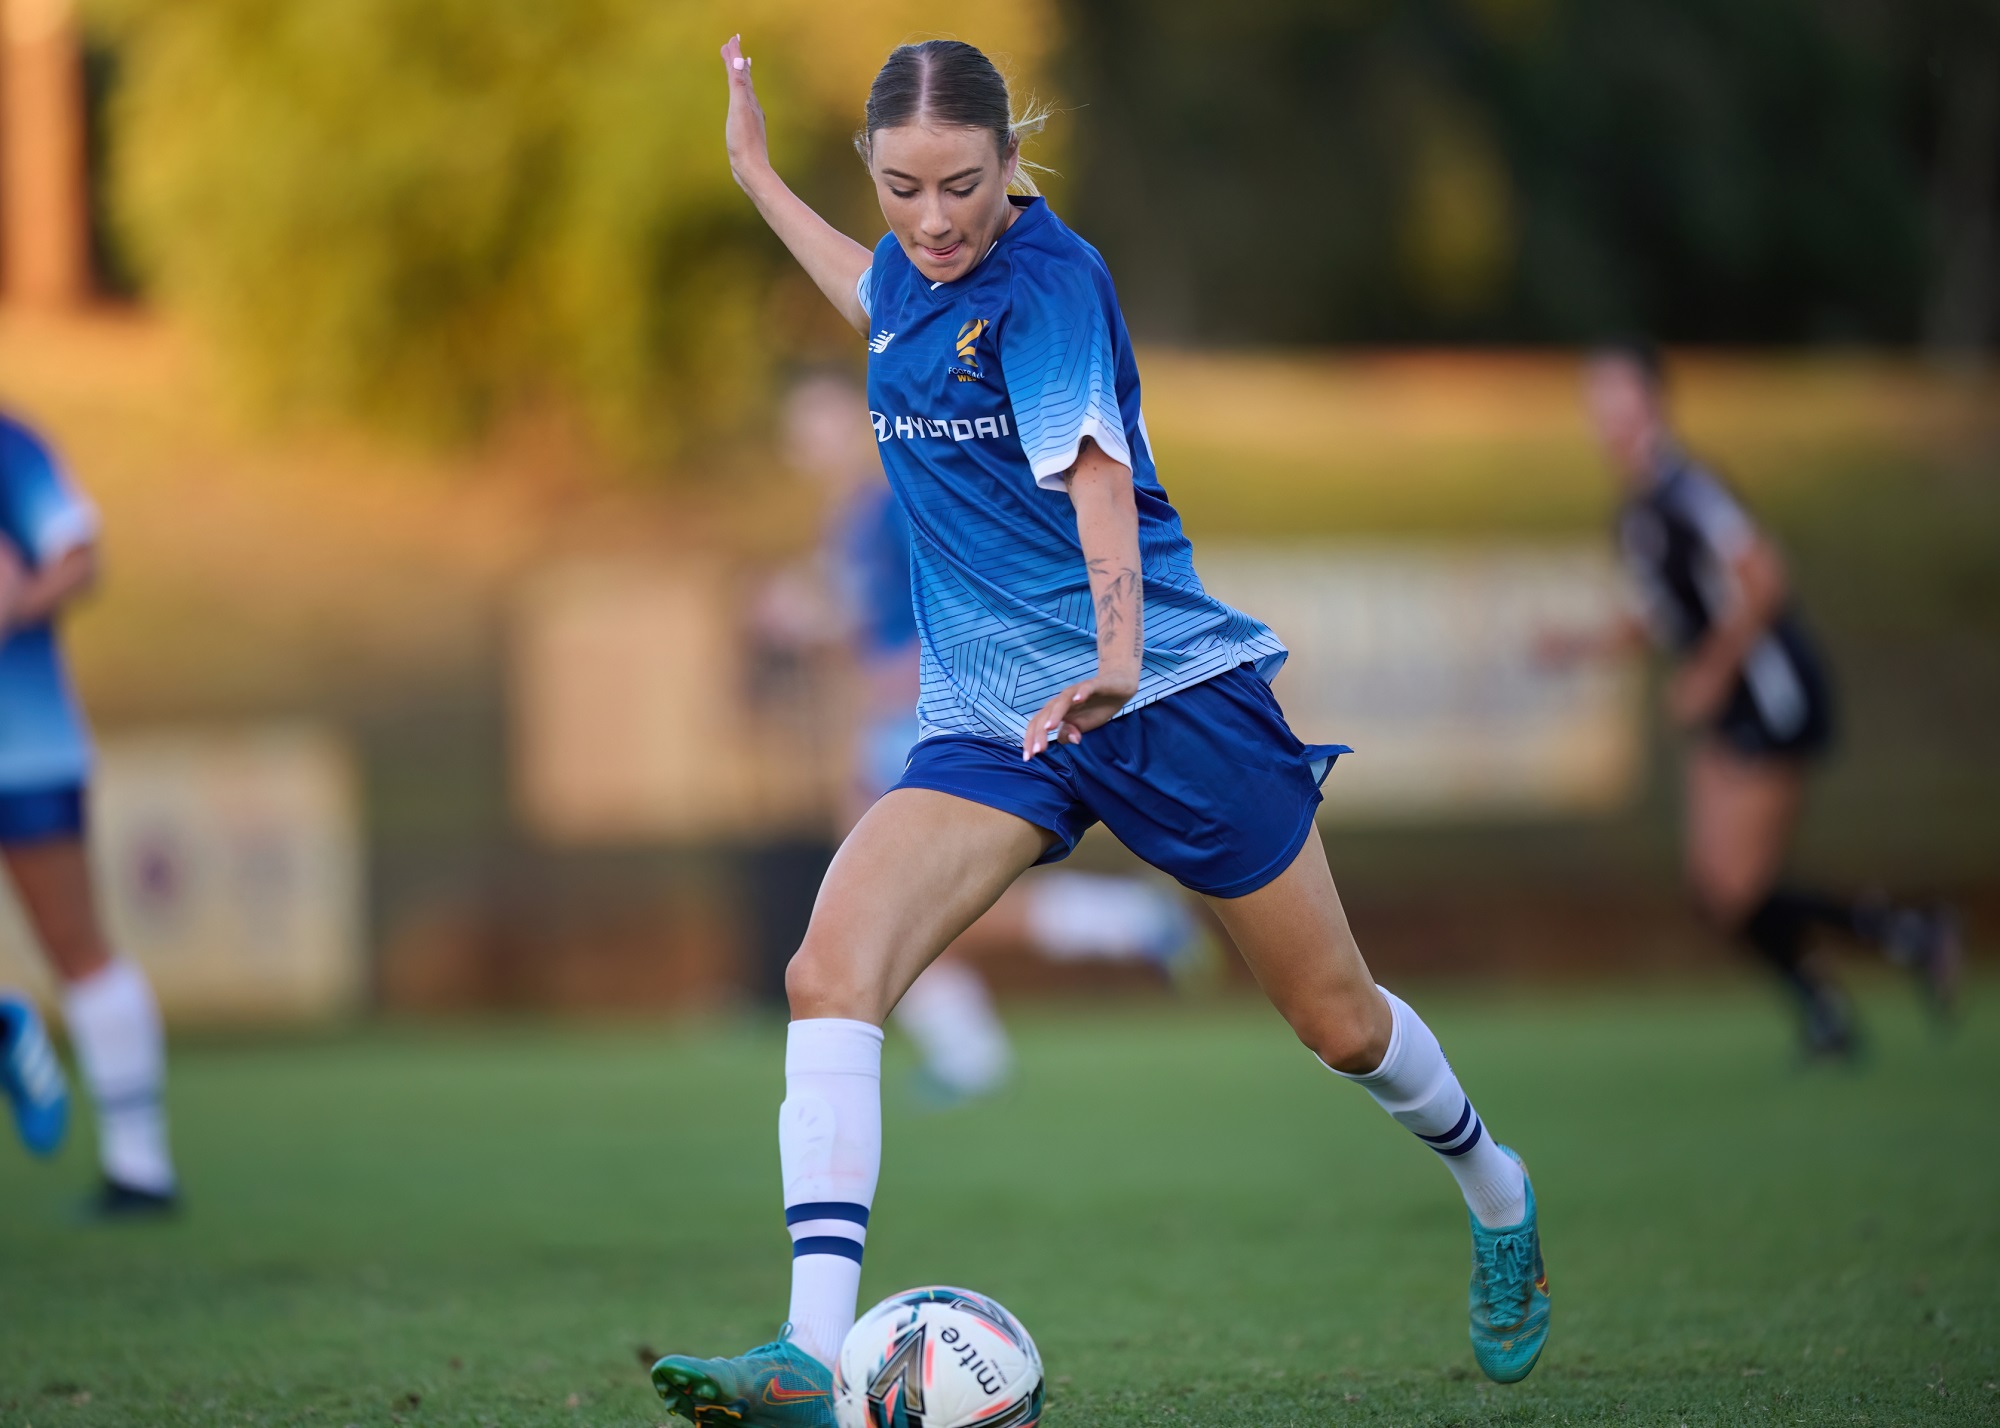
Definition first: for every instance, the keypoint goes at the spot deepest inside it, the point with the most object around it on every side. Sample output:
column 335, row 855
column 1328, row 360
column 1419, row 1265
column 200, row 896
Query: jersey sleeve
column 49, row 514
column 864, row 290
column 1707, row 506
column 1061, row 368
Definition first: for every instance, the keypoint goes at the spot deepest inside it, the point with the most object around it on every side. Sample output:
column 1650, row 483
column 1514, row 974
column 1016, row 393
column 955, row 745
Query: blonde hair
column 952, row 83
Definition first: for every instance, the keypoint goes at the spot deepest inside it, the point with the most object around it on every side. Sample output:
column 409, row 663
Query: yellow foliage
column 426, row 213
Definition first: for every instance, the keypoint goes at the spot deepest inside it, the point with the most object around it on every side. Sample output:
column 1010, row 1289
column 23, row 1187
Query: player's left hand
column 1697, row 692
column 1073, row 713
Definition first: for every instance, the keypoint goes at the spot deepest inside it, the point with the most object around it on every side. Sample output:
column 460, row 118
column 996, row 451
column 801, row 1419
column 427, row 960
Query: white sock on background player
column 1076, row 917
column 1416, row 1085
column 830, row 1148
column 114, row 1023
column 948, row 1013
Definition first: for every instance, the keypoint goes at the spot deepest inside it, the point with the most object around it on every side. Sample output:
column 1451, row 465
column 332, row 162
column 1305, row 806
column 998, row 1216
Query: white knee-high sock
column 830, row 1147
column 949, row 1014
column 114, row 1024
column 1417, row 1086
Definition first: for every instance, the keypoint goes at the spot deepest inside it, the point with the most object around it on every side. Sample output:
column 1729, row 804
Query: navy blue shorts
column 1209, row 784
column 37, row 814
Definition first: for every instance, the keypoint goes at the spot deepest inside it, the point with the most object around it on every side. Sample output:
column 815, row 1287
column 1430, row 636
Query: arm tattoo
column 1119, row 603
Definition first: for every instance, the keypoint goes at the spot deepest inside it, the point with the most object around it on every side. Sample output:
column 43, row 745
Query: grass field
column 484, row 1226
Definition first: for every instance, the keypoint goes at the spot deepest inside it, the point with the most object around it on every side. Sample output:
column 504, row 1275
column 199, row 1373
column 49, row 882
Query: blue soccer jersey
column 43, row 740
column 982, row 391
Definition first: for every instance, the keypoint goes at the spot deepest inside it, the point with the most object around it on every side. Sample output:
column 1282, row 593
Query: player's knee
column 1723, row 900
column 807, row 981
column 819, row 983
column 76, row 949
column 1346, row 1034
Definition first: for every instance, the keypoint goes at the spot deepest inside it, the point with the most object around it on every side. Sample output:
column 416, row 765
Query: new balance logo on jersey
column 911, row 428
column 880, row 341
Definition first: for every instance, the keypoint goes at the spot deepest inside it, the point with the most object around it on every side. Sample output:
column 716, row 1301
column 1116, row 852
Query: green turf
column 484, row 1226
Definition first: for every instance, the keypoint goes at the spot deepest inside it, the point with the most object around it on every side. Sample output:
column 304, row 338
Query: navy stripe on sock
column 1470, row 1141
column 827, row 1210
column 1454, row 1133
column 827, row 1244
column 130, row 1101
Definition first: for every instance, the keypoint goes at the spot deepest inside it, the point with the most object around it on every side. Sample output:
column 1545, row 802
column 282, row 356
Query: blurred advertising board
column 228, row 862
column 642, row 710
column 1421, row 656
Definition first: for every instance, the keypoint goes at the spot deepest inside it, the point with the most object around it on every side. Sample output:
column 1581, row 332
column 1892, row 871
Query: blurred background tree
column 430, row 213
column 1761, row 171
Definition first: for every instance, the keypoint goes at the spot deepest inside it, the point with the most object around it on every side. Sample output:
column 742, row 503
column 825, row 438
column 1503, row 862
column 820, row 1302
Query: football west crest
column 966, row 368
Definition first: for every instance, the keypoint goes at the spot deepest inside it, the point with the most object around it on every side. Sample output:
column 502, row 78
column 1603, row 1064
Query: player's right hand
column 743, row 134
column 1067, row 717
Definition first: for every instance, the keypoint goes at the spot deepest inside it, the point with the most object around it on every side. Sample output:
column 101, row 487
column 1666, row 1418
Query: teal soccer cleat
column 31, row 1077
column 1509, row 1298
column 776, row 1386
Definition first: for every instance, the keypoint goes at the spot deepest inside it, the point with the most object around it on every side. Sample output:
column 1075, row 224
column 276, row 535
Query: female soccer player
column 1073, row 670
column 48, row 557
column 1751, row 689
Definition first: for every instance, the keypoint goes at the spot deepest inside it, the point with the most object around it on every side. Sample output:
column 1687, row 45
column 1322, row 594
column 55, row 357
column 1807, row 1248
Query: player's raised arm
column 832, row 259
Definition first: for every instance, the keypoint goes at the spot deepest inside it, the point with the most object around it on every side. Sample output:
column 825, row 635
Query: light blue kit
column 44, row 742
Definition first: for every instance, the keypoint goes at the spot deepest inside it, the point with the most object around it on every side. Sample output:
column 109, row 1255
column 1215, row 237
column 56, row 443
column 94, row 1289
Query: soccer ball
column 938, row 1358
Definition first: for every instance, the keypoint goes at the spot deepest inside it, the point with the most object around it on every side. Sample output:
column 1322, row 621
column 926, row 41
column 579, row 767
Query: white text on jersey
column 880, row 340
column 909, row 428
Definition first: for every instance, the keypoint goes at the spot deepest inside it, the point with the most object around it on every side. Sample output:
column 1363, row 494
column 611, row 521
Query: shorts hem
column 45, row 814
column 1060, row 848
column 1269, row 873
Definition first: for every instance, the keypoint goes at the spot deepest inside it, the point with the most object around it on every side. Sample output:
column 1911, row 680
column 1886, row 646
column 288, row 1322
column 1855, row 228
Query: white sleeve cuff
column 74, row 525
column 864, row 290
column 1051, row 467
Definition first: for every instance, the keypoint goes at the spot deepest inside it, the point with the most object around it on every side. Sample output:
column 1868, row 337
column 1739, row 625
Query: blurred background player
column 48, row 557
column 857, row 594
column 1750, row 688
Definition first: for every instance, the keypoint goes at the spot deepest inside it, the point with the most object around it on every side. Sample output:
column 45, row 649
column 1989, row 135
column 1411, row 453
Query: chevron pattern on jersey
column 1062, row 374
column 1004, row 614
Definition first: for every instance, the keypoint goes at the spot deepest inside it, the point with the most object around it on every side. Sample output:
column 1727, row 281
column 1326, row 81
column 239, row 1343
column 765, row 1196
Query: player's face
column 944, row 193
column 1624, row 413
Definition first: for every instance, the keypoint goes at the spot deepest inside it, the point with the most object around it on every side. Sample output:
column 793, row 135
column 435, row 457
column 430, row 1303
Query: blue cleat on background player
column 32, row 1077
column 778, row 1385
column 1509, row 1297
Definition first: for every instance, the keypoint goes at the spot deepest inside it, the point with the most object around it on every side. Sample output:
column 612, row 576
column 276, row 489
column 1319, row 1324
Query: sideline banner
column 1420, row 655
column 228, row 862
column 641, row 709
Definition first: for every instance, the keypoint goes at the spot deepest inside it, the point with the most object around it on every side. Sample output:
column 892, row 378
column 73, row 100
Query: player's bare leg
column 1294, row 935
column 1741, row 815
column 113, row 1022
column 916, row 871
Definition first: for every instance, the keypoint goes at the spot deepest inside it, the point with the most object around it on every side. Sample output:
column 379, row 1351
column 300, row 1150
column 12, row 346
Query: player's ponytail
column 951, row 83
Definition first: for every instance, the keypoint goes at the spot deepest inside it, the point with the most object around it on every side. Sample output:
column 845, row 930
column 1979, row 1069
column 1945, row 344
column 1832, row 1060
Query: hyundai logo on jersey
column 909, row 428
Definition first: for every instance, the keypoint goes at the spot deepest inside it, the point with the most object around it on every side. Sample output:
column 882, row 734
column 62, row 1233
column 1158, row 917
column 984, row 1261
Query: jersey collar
column 1034, row 210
